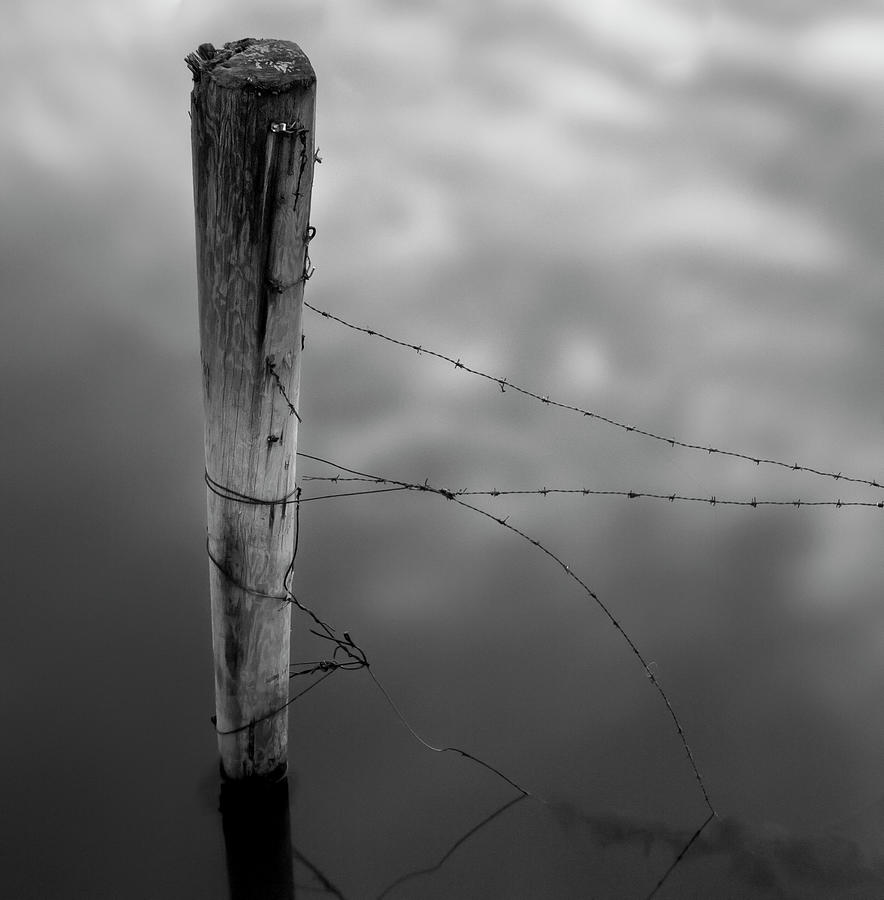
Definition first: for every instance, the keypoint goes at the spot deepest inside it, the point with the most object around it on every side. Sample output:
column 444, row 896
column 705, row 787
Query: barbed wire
column 649, row 673
column 348, row 656
column 356, row 658
column 587, row 492
column 504, row 383
column 355, row 475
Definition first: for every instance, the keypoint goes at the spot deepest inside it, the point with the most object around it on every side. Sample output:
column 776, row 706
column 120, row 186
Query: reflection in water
column 320, row 882
column 262, row 862
column 763, row 858
column 461, row 840
column 760, row 858
column 681, row 855
column 258, row 840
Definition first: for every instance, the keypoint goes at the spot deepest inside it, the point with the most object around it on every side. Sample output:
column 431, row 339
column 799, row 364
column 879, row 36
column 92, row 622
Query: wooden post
column 252, row 114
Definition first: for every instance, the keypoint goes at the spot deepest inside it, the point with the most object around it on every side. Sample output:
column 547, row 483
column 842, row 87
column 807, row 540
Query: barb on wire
column 503, row 384
column 711, row 501
column 592, row 492
column 450, row 495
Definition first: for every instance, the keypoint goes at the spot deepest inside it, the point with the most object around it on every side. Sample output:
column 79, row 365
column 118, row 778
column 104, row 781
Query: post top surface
column 252, row 64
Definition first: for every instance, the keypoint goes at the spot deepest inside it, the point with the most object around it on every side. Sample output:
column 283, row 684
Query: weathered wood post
column 252, row 114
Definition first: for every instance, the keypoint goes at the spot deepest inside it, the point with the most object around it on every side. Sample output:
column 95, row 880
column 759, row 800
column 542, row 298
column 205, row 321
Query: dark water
column 110, row 777
column 580, row 200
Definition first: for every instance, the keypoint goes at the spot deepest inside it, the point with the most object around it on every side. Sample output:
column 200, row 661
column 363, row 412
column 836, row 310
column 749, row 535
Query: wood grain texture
column 252, row 190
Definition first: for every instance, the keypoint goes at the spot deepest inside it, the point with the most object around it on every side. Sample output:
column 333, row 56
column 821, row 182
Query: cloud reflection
column 663, row 211
column 762, row 857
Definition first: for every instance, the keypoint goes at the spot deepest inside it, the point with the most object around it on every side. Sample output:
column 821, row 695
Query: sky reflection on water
column 664, row 211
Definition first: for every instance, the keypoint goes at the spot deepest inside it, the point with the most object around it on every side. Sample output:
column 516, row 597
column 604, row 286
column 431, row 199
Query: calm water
column 111, row 783
column 661, row 212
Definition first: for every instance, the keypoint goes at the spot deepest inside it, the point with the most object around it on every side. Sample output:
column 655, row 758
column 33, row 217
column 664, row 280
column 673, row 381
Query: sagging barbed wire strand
column 523, row 793
column 362, row 662
column 449, row 495
column 355, row 655
column 592, row 492
column 503, row 384
column 526, row 794
column 359, row 659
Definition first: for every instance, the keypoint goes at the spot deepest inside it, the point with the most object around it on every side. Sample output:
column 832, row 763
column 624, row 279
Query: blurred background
column 665, row 211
